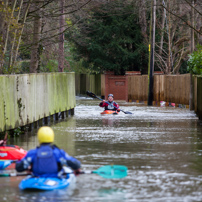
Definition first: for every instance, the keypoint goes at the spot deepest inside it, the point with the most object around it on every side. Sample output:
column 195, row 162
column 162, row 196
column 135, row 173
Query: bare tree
column 174, row 47
column 142, row 19
column 61, row 38
column 36, row 39
column 13, row 16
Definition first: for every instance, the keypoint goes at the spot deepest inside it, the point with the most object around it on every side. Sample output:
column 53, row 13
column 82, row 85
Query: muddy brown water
column 161, row 146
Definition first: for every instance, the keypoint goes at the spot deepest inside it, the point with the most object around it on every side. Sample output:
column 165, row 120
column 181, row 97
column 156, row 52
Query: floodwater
column 161, row 146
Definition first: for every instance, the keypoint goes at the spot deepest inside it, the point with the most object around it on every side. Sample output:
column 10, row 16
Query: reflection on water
column 162, row 148
column 48, row 196
column 65, row 135
column 111, row 195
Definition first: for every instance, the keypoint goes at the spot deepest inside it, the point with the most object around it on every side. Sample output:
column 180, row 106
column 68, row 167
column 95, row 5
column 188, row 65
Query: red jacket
column 112, row 106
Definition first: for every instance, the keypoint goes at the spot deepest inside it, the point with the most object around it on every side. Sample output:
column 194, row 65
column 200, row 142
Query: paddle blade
column 4, row 164
column 4, row 175
column 114, row 171
column 90, row 94
column 128, row 112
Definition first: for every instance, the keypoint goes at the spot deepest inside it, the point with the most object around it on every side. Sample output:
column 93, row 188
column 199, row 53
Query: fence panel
column 133, row 87
column 162, row 88
column 199, row 97
column 77, row 84
column 27, row 98
column 187, row 88
column 98, row 84
column 145, row 87
column 169, row 88
column 102, row 85
column 195, row 93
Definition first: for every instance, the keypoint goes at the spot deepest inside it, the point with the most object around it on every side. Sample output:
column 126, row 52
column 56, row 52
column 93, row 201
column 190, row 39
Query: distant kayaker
column 110, row 104
column 47, row 160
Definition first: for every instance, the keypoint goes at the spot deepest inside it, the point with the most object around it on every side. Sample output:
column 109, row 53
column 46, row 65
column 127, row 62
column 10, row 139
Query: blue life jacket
column 45, row 163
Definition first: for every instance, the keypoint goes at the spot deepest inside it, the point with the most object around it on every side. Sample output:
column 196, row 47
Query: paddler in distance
column 47, row 159
column 110, row 104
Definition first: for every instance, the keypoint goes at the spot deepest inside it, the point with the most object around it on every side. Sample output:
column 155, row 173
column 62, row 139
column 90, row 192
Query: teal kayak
column 46, row 183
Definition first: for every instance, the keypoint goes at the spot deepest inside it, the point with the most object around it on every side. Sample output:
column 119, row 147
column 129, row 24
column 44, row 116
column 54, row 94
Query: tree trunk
column 61, row 38
column 143, row 20
column 20, row 32
column 162, row 31
column 14, row 38
column 169, row 41
column 3, row 17
column 8, row 26
column 35, row 41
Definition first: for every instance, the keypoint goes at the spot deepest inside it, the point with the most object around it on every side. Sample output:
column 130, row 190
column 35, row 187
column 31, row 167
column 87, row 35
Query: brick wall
column 117, row 85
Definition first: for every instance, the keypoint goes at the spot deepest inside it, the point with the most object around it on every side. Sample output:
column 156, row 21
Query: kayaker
column 3, row 142
column 47, row 160
column 110, row 104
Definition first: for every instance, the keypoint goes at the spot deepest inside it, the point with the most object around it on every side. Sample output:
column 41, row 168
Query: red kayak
column 109, row 112
column 11, row 152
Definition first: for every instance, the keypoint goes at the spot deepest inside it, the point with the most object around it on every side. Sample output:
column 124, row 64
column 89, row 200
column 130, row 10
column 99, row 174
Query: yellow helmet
column 45, row 134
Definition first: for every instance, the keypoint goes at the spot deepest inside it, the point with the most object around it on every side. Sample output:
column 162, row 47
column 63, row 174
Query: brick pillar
column 117, row 85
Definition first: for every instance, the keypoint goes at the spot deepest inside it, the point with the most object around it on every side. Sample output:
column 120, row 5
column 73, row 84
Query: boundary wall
column 117, row 85
column 27, row 98
column 198, row 96
column 88, row 82
column 167, row 88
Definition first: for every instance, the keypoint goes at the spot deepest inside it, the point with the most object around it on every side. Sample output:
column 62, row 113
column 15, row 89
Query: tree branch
column 187, row 23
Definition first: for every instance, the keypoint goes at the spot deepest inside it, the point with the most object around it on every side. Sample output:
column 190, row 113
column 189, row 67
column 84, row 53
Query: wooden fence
column 198, row 96
column 27, row 98
column 138, row 88
column 84, row 82
column 168, row 88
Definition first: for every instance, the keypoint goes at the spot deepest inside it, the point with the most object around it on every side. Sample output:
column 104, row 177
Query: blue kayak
column 46, row 183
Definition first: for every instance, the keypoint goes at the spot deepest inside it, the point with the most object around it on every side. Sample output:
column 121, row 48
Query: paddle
column 108, row 171
column 90, row 94
column 5, row 163
column 111, row 171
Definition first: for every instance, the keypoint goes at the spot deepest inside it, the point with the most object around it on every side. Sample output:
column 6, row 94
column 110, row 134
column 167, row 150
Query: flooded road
column 161, row 146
